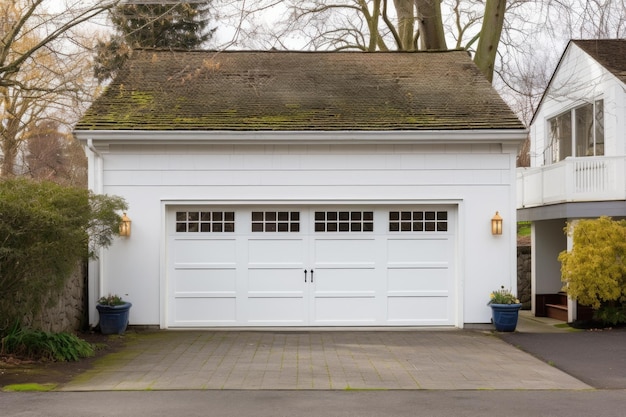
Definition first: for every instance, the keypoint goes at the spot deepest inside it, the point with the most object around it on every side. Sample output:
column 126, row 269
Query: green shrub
column 60, row 347
column 45, row 231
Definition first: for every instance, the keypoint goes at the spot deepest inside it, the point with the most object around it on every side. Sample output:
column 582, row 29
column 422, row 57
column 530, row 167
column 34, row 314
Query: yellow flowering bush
column 502, row 296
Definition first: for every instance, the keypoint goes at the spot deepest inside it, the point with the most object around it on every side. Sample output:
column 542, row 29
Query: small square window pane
column 193, row 216
column 368, row 215
column 205, row 227
column 218, row 216
column 295, row 216
column 406, row 215
column 418, row 227
column 320, row 227
column 181, row 227
column 368, row 227
column 193, row 227
column 283, row 215
column 344, row 215
column 442, row 215
column 442, row 226
column 394, row 227
column 319, row 216
column 217, row 227
column 229, row 216
column 344, row 227
column 430, row 215
column 283, row 227
column 355, row 227
column 430, row 226
column 331, row 227
column 270, row 216
column 331, row 215
column 405, row 226
column 295, row 227
column 270, row 227
column 205, row 216
column 229, row 227
column 257, row 216
column 355, row 215
column 181, row 216
column 394, row 215
column 257, row 227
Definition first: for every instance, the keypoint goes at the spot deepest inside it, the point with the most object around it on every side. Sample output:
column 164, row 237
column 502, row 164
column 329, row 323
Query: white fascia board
column 106, row 137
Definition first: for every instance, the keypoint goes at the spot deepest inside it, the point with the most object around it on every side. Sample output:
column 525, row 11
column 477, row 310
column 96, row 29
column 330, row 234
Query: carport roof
column 298, row 91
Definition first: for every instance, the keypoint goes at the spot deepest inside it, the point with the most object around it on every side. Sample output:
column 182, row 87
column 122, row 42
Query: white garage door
column 310, row 266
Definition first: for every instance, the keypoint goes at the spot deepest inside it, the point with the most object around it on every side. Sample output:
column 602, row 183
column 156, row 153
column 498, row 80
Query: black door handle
column 312, row 275
column 305, row 271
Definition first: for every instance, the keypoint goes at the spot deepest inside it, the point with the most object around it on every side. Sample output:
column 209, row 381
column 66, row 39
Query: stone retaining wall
column 523, row 275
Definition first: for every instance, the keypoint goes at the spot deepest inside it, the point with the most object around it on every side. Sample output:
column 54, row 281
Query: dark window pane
column 270, row 227
column 442, row 226
column 430, row 215
column 368, row 227
column 193, row 227
column 418, row 227
column 295, row 216
column 217, row 216
column 229, row 216
column 257, row 216
column 217, row 227
column 368, row 215
column 344, row 215
column 270, row 216
column 205, row 216
column 418, row 215
column 319, row 227
column 295, row 227
column 442, row 215
column 229, row 227
column 283, row 215
column 394, row 215
column 355, row 215
column 283, row 227
column 405, row 226
column 257, row 227
column 406, row 215
column 344, row 227
column 394, row 227
column 181, row 216
column 181, row 227
column 331, row 215
column 331, row 227
column 430, row 226
column 193, row 216
column 319, row 215
column 205, row 227
column 355, row 227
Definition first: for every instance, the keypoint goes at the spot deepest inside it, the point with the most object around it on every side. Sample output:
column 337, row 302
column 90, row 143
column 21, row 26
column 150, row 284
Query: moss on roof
column 206, row 90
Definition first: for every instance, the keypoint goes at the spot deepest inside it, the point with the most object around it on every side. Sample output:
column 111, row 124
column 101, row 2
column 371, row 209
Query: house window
column 418, row 221
column 344, row 221
column 275, row 221
column 205, row 221
column 577, row 132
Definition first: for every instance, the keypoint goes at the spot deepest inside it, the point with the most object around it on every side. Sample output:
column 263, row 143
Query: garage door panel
column 345, row 310
column 345, row 280
column 345, row 252
column 210, row 310
column 270, row 310
column 260, row 280
column 416, row 279
column 204, row 252
column 419, row 310
column 205, row 280
column 274, row 252
column 419, row 250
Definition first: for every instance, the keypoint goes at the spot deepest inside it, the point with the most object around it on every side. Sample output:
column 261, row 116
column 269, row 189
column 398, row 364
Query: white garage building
column 304, row 188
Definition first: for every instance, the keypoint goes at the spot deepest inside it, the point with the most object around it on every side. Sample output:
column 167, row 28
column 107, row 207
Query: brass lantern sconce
column 125, row 226
column 496, row 224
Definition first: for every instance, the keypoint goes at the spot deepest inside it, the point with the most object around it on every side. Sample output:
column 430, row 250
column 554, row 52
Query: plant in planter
column 113, row 311
column 504, row 309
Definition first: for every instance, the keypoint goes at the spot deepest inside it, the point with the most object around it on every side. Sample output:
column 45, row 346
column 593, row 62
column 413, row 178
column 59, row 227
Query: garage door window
column 205, row 221
column 275, row 221
column 344, row 221
column 418, row 221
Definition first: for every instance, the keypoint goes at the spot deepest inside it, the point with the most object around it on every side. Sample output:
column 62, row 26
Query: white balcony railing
column 598, row 178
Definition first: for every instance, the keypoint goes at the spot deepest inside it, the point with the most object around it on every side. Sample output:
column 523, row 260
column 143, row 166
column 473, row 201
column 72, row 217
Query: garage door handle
column 305, row 271
column 312, row 275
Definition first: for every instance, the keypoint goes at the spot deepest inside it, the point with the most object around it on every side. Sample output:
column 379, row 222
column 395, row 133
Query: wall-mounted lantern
column 496, row 224
column 125, row 226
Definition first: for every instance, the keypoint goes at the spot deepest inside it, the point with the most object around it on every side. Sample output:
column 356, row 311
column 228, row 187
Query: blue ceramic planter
column 113, row 319
column 504, row 316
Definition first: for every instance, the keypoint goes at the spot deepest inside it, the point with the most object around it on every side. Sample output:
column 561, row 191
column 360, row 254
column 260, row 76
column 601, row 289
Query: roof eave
column 127, row 137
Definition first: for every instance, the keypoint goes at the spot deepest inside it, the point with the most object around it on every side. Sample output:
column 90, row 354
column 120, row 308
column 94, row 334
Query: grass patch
column 30, row 343
column 29, row 387
column 523, row 228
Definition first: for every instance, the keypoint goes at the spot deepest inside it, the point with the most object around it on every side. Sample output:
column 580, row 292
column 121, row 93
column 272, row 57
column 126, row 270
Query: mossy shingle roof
column 204, row 90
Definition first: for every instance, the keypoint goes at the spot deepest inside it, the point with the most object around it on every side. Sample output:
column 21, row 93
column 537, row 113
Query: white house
column 578, row 155
column 305, row 188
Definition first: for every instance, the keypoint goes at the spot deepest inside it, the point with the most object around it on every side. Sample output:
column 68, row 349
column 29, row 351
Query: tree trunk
column 430, row 24
column 406, row 24
column 490, row 37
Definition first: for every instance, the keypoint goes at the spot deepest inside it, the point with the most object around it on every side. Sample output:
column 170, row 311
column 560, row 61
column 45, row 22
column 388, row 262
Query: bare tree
column 42, row 67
